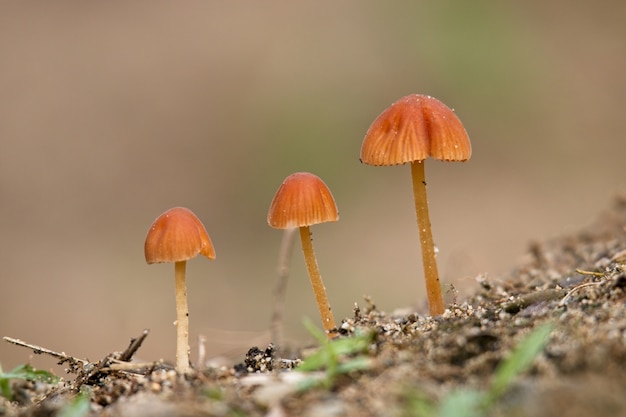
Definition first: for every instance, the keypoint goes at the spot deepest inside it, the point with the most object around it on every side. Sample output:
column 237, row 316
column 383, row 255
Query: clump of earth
column 577, row 283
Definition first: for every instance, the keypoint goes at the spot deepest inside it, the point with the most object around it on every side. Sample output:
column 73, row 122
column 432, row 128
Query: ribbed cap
column 412, row 129
column 302, row 200
column 177, row 235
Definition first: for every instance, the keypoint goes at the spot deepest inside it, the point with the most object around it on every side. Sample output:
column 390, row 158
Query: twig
column 576, row 288
column 134, row 345
column 132, row 367
column 37, row 350
column 594, row 274
column 532, row 298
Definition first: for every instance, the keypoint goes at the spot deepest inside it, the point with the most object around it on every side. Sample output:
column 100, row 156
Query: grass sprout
column 520, row 360
column 335, row 357
column 479, row 403
column 24, row 372
column 78, row 407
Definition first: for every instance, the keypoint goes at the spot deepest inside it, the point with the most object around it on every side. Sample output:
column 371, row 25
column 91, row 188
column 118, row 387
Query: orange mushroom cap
column 302, row 200
column 412, row 129
column 177, row 235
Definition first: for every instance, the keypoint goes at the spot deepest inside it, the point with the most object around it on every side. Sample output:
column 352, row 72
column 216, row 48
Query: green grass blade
column 519, row 361
column 26, row 372
column 78, row 407
column 466, row 403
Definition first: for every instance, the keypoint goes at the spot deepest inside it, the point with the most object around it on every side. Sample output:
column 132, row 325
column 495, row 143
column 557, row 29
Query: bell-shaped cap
column 177, row 235
column 302, row 200
column 412, row 129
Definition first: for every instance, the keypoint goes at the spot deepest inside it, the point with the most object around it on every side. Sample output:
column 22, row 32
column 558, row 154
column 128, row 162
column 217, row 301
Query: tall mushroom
column 177, row 236
column 410, row 130
column 301, row 201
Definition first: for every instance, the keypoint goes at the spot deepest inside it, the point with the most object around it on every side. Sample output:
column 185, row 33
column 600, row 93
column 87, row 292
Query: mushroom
column 301, row 201
column 177, row 236
column 410, row 130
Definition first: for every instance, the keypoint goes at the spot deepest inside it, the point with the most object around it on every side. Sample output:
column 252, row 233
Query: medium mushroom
column 177, row 236
column 410, row 130
column 301, row 201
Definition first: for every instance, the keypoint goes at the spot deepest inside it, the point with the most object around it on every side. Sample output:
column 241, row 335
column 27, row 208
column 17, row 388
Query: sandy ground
column 404, row 363
column 112, row 113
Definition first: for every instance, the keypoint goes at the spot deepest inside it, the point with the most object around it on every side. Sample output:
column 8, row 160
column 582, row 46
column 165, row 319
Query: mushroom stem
column 276, row 324
column 182, row 319
column 433, row 287
column 316, row 281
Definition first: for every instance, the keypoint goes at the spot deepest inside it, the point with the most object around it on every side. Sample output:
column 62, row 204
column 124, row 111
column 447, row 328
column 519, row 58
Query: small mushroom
column 301, row 201
column 177, row 236
column 410, row 130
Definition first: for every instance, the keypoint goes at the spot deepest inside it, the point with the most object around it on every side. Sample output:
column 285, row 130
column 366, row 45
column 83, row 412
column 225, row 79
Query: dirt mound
column 400, row 363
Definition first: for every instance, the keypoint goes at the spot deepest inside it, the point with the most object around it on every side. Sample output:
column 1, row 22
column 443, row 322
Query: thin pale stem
column 316, row 281
column 284, row 257
column 431, row 275
column 182, row 319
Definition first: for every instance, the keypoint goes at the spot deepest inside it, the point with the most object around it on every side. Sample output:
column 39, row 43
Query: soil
column 577, row 283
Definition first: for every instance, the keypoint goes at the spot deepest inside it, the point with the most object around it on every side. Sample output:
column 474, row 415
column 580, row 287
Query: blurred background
column 111, row 113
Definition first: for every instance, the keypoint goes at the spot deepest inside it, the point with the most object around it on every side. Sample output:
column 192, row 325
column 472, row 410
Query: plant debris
column 409, row 362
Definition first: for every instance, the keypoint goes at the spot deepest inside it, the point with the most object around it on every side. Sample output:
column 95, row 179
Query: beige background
column 111, row 113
